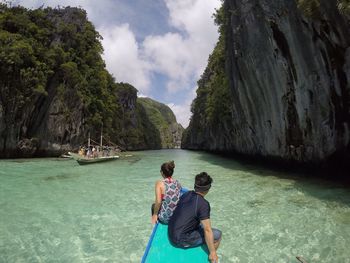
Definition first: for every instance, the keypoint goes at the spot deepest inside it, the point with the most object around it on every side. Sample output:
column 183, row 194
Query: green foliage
column 344, row 6
column 212, row 104
column 161, row 117
column 311, row 8
column 148, row 133
column 221, row 19
column 161, row 113
column 38, row 47
column 55, row 55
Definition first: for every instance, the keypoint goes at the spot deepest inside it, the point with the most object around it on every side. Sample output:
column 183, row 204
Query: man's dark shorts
column 196, row 238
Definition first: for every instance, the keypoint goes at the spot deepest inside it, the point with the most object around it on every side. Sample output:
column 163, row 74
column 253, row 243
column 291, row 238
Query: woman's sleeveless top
column 170, row 199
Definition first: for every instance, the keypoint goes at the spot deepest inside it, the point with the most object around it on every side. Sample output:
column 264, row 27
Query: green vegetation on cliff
column 162, row 117
column 344, row 6
column 134, row 130
column 212, row 106
column 311, row 8
column 53, row 48
column 287, row 66
column 55, row 89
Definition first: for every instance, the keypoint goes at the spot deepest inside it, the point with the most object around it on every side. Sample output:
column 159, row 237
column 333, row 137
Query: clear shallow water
column 54, row 210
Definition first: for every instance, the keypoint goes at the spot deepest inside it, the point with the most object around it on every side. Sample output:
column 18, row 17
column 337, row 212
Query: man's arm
column 209, row 240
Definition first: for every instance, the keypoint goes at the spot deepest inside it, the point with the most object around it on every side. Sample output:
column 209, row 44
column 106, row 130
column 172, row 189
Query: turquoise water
column 54, row 210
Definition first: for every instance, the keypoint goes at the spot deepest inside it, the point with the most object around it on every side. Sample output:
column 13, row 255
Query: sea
column 54, row 210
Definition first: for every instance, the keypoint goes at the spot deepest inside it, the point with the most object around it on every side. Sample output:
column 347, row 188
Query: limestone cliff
column 162, row 117
column 55, row 89
column 288, row 75
column 136, row 131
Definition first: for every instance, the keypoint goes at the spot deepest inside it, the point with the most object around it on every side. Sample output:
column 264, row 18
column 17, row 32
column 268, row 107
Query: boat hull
column 84, row 161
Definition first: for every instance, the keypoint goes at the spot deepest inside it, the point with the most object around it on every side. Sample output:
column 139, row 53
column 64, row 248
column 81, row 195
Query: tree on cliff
column 212, row 106
column 54, row 86
column 311, row 7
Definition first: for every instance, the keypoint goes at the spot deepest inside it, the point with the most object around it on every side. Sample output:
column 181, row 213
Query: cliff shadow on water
column 315, row 181
column 335, row 169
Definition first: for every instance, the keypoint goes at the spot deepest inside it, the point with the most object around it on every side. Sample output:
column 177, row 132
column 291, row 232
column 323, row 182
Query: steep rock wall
column 55, row 89
column 162, row 117
column 135, row 131
column 289, row 81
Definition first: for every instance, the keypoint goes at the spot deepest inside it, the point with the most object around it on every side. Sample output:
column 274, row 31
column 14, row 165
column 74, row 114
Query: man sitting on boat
column 190, row 225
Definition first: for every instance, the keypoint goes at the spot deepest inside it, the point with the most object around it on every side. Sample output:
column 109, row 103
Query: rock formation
column 162, row 117
column 55, row 89
column 289, row 80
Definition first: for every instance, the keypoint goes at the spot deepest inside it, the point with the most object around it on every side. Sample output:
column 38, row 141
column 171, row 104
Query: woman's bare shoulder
column 159, row 183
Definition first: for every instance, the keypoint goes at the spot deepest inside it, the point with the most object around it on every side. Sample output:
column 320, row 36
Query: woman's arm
column 158, row 201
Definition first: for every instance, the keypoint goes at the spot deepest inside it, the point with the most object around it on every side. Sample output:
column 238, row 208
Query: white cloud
column 169, row 55
column 183, row 111
column 183, row 57
column 194, row 16
column 122, row 56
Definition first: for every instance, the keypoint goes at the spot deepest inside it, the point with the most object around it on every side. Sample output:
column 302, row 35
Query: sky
column 161, row 47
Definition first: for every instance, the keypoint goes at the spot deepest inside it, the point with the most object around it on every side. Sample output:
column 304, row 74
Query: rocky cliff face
column 136, row 130
column 55, row 90
column 289, row 80
column 164, row 120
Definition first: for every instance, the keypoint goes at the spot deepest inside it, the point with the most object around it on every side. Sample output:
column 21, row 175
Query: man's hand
column 209, row 240
column 213, row 257
column 154, row 219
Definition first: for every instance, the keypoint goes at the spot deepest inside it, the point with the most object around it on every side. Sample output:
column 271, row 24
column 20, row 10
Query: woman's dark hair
column 168, row 168
column 203, row 182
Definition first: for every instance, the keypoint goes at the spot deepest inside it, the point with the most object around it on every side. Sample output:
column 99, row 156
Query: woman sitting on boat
column 167, row 194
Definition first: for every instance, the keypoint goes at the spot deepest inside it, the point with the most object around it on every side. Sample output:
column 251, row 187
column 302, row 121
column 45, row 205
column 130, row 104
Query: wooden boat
column 83, row 160
column 159, row 248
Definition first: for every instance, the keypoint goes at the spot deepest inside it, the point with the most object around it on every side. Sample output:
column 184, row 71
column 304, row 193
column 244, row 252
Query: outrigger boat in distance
column 93, row 157
column 83, row 160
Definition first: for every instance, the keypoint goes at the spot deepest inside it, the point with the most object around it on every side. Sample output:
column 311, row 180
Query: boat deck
column 159, row 249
